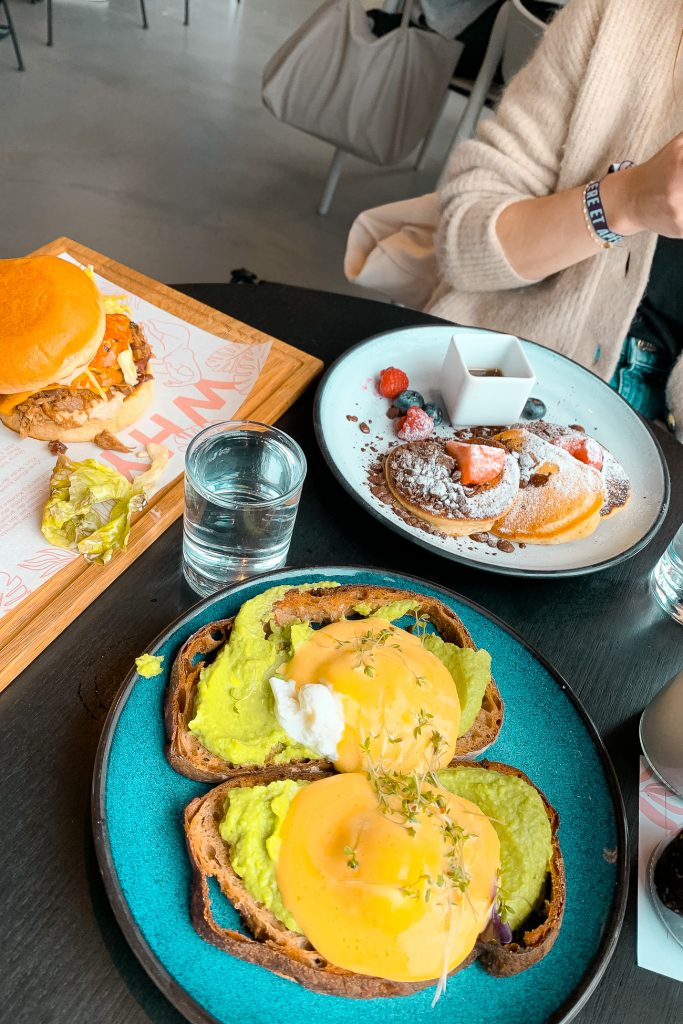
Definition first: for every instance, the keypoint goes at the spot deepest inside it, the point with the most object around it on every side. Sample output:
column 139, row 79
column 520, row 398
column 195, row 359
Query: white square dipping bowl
column 485, row 401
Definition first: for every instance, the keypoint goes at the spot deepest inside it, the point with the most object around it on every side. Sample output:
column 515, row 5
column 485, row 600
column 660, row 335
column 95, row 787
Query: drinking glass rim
column 298, row 450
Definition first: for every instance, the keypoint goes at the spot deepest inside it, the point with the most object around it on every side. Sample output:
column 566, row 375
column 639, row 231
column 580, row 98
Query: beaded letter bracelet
column 594, row 214
column 596, row 221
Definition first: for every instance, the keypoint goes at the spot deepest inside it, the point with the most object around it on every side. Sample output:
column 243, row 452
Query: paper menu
column 660, row 815
column 199, row 379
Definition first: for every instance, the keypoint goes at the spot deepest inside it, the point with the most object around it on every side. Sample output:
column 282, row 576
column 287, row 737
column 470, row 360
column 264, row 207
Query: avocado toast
column 236, row 849
column 219, row 709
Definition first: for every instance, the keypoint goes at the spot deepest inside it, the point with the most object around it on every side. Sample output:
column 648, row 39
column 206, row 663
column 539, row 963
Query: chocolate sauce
column 476, row 371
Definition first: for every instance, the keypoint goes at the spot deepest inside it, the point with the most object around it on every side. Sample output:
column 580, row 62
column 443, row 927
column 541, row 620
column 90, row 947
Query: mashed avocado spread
column 251, row 827
column 234, row 713
column 518, row 816
column 254, row 818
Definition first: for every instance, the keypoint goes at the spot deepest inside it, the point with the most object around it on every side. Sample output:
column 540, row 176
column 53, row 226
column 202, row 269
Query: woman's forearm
column 543, row 236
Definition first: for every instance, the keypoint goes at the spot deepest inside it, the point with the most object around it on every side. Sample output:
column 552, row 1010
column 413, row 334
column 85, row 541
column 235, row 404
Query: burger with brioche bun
column 68, row 368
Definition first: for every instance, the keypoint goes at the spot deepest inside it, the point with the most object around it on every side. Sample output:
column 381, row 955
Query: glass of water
column 243, row 482
column 667, row 578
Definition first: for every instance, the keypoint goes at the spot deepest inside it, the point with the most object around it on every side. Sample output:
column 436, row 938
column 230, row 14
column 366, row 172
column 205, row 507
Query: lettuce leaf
column 90, row 505
column 471, row 671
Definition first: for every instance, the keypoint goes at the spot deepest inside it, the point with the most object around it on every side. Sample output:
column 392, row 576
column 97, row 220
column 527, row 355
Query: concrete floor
column 153, row 146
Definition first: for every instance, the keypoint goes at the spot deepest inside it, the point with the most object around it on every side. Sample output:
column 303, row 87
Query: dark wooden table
column 65, row 960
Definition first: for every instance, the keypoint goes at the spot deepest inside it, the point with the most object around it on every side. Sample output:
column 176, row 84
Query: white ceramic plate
column 571, row 393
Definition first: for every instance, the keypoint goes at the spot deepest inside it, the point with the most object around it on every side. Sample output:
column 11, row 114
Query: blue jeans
column 641, row 375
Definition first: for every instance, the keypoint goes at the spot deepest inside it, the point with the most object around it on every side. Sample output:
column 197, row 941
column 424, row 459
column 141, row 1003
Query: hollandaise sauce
column 400, row 703
column 383, row 887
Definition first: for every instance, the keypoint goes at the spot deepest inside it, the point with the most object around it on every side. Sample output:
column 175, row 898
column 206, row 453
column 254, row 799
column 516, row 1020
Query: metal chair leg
column 143, row 12
column 332, row 181
column 468, row 122
column 49, row 22
column 186, row 19
column 427, row 141
column 13, row 35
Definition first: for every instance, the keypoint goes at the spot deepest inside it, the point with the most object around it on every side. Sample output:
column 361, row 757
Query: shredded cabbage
column 90, row 505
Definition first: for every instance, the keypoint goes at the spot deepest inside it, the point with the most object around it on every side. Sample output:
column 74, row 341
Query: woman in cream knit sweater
column 515, row 251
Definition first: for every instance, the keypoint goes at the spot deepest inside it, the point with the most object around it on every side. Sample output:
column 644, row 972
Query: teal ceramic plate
column 138, row 803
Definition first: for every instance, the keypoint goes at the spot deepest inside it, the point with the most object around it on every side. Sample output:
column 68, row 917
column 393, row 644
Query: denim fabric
column 641, row 374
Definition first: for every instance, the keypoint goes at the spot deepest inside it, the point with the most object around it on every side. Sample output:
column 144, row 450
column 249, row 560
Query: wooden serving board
column 37, row 620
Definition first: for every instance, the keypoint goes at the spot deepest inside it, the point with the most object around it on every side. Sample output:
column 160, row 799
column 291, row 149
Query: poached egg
column 380, row 895
column 364, row 690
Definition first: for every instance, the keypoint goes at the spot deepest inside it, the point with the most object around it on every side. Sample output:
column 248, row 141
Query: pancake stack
column 544, row 493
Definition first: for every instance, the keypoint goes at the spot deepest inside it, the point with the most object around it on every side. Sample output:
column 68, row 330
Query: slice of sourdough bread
column 290, row 955
column 188, row 756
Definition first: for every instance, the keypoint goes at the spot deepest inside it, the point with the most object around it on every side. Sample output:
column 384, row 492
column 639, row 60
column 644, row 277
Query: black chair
column 7, row 29
column 143, row 12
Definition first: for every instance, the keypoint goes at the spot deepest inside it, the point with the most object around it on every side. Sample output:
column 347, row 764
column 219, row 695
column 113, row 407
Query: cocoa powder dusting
column 379, row 488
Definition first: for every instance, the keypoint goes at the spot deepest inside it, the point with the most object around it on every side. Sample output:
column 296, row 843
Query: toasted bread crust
column 291, row 955
column 189, row 757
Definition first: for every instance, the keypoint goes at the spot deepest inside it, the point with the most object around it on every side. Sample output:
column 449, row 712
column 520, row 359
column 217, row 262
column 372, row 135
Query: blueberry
column 434, row 411
column 408, row 398
column 534, row 409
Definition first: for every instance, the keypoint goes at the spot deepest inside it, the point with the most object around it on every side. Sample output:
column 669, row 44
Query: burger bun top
column 51, row 322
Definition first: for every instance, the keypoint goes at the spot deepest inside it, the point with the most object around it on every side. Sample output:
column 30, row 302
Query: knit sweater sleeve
column 516, row 154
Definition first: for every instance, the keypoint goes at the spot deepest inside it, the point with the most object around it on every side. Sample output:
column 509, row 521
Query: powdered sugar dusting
column 428, row 477
column 546, row 499
column 615, row 479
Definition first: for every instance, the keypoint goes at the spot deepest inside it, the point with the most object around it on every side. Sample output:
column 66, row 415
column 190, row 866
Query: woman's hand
column 648, row 197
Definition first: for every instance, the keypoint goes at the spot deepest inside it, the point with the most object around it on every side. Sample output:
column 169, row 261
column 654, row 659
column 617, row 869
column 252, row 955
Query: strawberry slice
column 585, row 449
column 478, row 463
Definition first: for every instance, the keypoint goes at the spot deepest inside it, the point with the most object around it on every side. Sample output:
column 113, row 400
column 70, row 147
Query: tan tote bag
column 391, row 250
column 373, row 97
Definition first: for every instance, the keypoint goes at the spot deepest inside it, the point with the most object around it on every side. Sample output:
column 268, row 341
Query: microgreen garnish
column 352, row 859
column 365, row 646
column 423, row 718
column 420, row 628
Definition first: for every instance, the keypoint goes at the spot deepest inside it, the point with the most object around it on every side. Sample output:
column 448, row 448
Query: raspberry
column 392, row 382
column 416, row 425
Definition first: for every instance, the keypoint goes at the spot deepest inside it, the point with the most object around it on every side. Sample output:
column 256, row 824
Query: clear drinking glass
column 243, row 482
column 667, row 578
